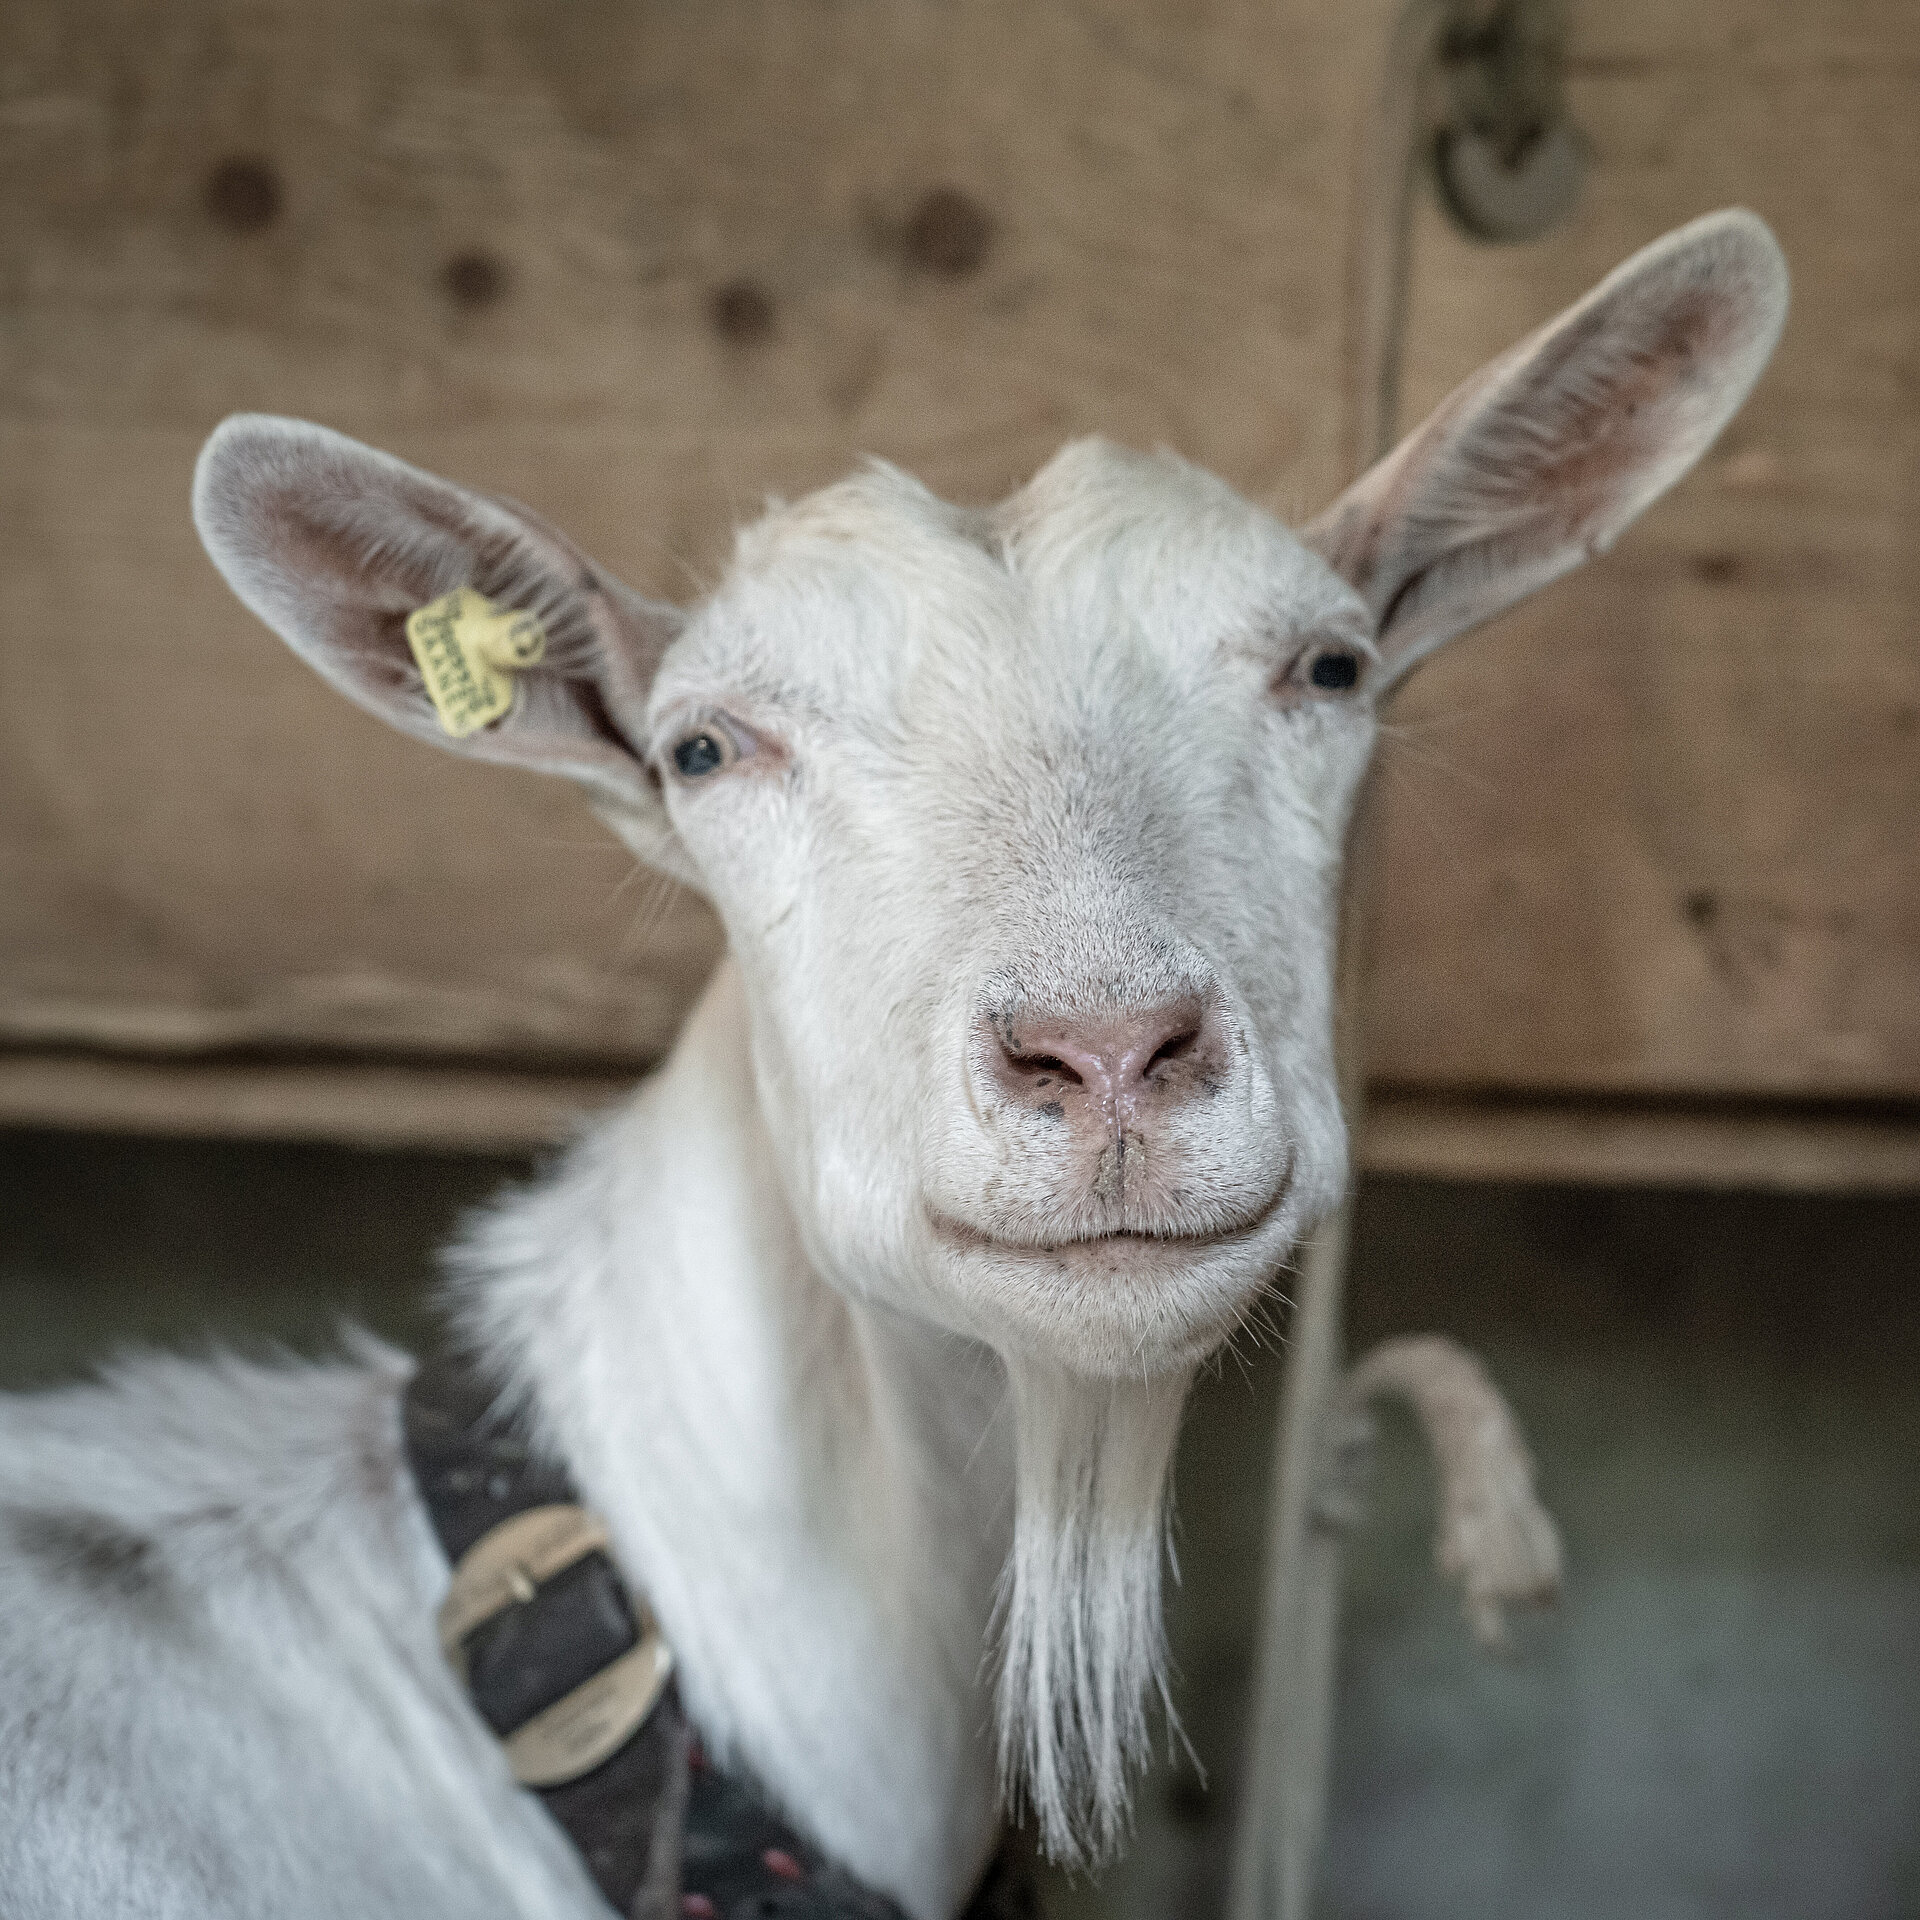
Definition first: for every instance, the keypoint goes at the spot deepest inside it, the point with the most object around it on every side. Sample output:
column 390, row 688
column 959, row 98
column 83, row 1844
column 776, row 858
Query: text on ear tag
column 468, row 650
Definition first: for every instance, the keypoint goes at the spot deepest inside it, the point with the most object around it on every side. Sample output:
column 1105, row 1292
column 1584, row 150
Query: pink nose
column 1106, row 1072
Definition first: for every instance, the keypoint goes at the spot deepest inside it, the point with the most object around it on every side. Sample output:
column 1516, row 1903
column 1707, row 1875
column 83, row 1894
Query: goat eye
column 701, row 753
column 1335, row 670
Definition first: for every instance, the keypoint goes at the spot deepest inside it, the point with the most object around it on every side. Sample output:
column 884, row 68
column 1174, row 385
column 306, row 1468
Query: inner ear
column 334, row 545
column 1545, row 456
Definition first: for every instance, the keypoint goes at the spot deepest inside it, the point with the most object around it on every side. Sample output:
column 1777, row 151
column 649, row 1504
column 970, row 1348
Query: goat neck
column 813, row 1493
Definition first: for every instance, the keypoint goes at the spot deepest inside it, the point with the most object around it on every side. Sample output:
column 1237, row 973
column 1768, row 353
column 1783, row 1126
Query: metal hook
column 1508, row 161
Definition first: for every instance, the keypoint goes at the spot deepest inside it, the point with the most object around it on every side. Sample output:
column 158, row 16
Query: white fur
column 874, row 1370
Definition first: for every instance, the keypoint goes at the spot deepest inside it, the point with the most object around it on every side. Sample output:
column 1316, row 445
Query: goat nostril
column 1175, row 1049
column 1045, row 1064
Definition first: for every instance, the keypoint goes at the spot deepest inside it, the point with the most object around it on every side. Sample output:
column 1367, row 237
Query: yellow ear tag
column 468, row 651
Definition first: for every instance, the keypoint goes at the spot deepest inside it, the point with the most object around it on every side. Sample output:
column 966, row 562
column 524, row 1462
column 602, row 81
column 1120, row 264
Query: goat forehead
column 1154, row 534
column 1104, row 576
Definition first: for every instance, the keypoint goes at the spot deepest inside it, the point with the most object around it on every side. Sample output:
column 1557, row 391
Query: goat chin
column 1081, row 1641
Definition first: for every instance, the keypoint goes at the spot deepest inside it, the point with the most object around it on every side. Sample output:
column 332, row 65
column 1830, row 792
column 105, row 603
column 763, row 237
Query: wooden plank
column 636, row 266
column 357, row 1104
column 1441, row 1137
column 1747, row 1147
column 1656, row 831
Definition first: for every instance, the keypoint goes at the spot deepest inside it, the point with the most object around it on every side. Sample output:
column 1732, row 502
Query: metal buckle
column 507, row 1566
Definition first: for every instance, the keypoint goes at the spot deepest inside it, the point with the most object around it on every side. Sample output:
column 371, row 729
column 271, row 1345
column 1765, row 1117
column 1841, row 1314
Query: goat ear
column 333, row 545
column 1546, row 454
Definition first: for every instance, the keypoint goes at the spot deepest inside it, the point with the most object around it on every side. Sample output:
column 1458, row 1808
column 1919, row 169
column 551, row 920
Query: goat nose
column 1108, row 1068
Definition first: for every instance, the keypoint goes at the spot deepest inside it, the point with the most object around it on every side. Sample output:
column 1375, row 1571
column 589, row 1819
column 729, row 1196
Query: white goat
column 867, row 1323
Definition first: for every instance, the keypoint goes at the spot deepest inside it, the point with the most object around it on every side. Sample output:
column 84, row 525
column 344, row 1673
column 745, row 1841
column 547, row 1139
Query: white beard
column 1082, row 1643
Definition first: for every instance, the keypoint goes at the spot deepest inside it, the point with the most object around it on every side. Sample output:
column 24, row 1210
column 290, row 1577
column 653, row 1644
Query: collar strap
column 573, row 1678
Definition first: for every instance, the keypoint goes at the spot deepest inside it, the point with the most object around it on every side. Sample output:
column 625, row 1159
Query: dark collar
column 572, row 1677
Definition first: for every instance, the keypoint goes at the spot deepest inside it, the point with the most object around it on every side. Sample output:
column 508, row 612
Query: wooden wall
column 1659, row 831
column 640, row 264
column 636, row 264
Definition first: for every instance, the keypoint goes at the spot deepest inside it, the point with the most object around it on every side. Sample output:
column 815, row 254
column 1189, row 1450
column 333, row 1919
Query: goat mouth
column 1136, row 1241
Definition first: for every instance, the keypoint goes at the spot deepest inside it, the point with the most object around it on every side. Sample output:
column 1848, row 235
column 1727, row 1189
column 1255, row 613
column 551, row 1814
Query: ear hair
column 1548, row 453
column 333, row 545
